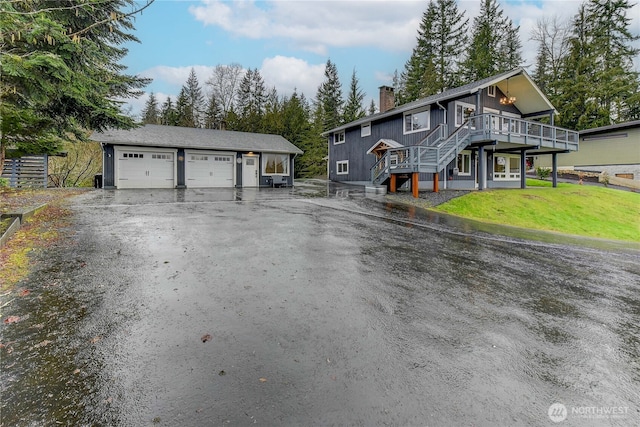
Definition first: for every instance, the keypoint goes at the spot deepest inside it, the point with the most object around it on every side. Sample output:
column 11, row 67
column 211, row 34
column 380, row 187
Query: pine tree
column 251, row 99
column 168, row 113
column 493, row 37
column 213, row 114
column 353, row 108
column 372, row 107
column 184, row 112
column 329, row 98
column 421, row 63
column 61, row 74
column 150, row 113
column 194, row 107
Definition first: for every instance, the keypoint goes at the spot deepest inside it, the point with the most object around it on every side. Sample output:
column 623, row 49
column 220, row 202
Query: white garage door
column 145, row 168
column 209, row 169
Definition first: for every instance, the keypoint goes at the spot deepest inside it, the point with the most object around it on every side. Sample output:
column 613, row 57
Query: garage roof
column 205, row 139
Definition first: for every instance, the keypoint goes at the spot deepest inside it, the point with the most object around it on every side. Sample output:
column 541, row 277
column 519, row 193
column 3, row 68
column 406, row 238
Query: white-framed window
column 512, row 125
column 506, row 167
column 463, row 111
column 416, row 121
column 338, row 138
column 342, row 167
column 275, row 164
column 491, row 91
column 495, row 120
column 463, row 163
column 365, row 129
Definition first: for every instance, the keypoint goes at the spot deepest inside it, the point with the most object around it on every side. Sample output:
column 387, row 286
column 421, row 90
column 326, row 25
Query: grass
column 581, row 210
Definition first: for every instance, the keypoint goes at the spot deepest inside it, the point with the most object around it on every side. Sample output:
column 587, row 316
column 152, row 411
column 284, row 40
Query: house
column 476, row 136
column 156, row 156
column 614, row 149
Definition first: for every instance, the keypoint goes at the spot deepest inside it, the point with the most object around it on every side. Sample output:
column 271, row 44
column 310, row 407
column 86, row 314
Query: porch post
column 436, row 183
column 414, row 184
column 392, row 183
column 523, row 169
column 481, row 165
column 554, row 169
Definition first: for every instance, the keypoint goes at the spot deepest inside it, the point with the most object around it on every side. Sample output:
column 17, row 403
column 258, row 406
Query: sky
column 290, row 41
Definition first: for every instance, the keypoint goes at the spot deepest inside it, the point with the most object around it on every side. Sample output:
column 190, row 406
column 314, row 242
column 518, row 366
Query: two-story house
column 475, row 136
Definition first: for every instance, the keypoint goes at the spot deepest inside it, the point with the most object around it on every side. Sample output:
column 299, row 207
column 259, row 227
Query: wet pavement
column 317, row 306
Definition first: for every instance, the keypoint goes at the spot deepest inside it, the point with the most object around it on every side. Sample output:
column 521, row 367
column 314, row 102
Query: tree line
column 61, row 74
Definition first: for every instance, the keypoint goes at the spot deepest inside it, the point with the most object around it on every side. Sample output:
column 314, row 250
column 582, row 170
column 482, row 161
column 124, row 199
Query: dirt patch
column 17, row 200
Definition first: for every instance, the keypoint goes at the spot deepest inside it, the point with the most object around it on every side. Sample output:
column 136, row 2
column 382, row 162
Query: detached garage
column 155, row 156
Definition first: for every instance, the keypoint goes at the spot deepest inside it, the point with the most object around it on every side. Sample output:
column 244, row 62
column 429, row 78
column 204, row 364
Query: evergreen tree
column 272, row 120
column 353, row 108
column 61, row 74
column 251, row 99
column 421, row 64
column 150, row 112
column 184, row 112
column 213, row 114
column 372, row 107
column 329, row 98
column 495, row 44
column 194, row 99
column 168, row 113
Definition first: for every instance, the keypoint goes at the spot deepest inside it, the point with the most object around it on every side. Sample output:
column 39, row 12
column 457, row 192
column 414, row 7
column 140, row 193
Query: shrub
column 4, row 182
column 543, row 173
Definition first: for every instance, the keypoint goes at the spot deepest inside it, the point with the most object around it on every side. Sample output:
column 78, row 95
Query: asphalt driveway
column 317, row 306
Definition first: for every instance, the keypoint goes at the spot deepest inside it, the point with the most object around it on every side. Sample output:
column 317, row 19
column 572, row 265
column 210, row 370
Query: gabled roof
column 384, row 143
column 204, row 139
column 530, row 98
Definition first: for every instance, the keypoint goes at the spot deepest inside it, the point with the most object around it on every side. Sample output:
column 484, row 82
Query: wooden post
column 554, row 169
column 392, row 183
column 436, row 184
column 414, row 184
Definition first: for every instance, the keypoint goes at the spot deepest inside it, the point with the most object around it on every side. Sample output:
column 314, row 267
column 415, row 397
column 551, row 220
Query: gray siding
column 108, row 165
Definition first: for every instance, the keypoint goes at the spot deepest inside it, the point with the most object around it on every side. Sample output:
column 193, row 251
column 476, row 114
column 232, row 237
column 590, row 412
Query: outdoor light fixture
column 507, row 100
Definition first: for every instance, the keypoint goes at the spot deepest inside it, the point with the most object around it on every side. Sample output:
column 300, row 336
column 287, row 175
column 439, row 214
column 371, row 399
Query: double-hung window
column 416, row 121
column 338, row 138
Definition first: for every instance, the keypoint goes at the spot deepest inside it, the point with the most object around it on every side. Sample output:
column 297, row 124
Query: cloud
column 288, row 73
column 317, row 25
column 177, row 76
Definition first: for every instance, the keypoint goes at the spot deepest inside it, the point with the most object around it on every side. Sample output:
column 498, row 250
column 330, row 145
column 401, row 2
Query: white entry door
column 250, row 171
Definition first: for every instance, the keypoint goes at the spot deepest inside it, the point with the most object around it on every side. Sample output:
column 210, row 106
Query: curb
column 18, row 219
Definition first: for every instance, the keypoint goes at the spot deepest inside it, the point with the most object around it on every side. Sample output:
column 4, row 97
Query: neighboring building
column 155, row 156
column 476, row 136
column 614, row 149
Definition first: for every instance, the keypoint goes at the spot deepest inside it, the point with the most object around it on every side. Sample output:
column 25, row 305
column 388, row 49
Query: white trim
column 187, row 159
column 365, row 130
column 263, row 164
column 337, row 140
column 119, row 149
column 491, row 91
column 464, row 153
column 455, row 111
column 244, row 158
column 507, row 175
column 427, row 110
column 344, row 163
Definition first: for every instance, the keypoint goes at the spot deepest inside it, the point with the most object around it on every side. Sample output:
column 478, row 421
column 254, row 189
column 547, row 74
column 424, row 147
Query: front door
column 250, row 171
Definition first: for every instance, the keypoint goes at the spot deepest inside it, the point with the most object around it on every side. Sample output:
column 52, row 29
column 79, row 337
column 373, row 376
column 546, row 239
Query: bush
column 543, row 173
column 4, row 183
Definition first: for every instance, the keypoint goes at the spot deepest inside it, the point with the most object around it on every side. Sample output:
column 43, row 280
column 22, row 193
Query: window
column 226, row 159
column 506, row 168
column 275, row 164
column 463, row 112
column 342, row 167
column 464, row 164
column 491, row 91
column 338, row 138
column 416, row 121
column 161, row 156
column 365, row 130
column 195, row 157
column 133, row 155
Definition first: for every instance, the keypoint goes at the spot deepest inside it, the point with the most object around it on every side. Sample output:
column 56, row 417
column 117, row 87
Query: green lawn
column 570, row 208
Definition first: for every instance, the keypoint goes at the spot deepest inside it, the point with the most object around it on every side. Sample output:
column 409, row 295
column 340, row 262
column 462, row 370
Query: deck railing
column 436, row 151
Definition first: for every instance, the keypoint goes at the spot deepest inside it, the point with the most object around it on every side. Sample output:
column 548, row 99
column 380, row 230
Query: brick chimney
column 387, row 99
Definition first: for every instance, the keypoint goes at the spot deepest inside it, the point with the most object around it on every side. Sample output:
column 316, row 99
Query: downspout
column 446, row 176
